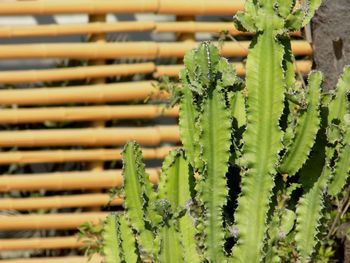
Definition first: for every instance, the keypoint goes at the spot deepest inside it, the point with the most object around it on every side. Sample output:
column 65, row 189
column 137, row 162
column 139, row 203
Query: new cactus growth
column 268, row 132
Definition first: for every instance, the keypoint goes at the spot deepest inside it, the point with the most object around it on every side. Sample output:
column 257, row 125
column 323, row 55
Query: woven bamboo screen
column 93, row 106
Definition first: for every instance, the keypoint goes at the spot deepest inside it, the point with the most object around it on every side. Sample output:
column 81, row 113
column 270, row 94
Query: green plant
column 277, row 145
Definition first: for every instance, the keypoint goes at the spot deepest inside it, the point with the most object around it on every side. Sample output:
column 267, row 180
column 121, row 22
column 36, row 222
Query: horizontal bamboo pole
column 25, row 76
column 84, row 113
column 179, row 7
column 99, row 93
column 153, row 135
column 61, row 156
column 208, row 27
column 67, row 180
column 74, row 29
column 70, row 259
column 127, row 50
column 59, row 74
column 49, row 221
column 301, row 66
column 40, row 243
column 58, row 202
column 99, row 27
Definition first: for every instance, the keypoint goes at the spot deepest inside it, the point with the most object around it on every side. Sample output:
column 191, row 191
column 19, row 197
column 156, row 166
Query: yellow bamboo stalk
column 84, row 113
column 196, row 27
column 67, row 180
column 61, row 156
column 57, row 74
column 301, row 66
column 49, row 221
column 100, row 27
column 74, row 29
column 25, row 76
column 70, row 259
column 152, row 135
column 40, row 243
column 43, row 7
column 127, row 50
column 58, row 202
column 179, row 7
column 116, row 92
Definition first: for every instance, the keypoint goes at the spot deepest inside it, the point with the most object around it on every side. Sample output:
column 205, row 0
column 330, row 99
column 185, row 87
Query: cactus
column 268, row 132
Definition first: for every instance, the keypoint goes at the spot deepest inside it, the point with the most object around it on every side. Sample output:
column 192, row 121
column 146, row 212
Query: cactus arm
column 308, row 217
column 246, row 20
column 342, row 167
column 174, row 182
column 339, row 110
column 262, row 138
column 339, row 105
column 111, row 250
column 188, row 130
column 134, row 188
column 288, row 62
column 285, row 7
column 175, row 186
column 306, row 130
column 238, row 112
column 171, row 250
column 311, row 6
column 126, row 239
column 187, row 238
column 215, row 139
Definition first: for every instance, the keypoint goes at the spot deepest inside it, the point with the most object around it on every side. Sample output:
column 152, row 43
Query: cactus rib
column 306, row 130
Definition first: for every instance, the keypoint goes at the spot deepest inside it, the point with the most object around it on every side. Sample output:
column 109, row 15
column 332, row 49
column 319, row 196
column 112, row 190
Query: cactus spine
column 269, row 132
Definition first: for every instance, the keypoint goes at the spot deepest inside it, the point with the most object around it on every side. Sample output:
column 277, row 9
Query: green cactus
column 268, row 132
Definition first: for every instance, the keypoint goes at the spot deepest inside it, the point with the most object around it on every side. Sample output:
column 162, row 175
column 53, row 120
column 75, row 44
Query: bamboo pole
column 69, row 259
column 127, row 50
column 58, row 202
column 301, row 66
column 152, row 135
column 179, row 7
column 67, row 180
column 84, row 113
column 74, row 73
column 49, row 221
column 25, row 76
column 40, row 243
column 75, row 29
column 135, row 26
column 61, row 156
column 116, row 92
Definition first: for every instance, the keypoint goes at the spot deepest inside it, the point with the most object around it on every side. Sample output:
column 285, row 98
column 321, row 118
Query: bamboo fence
column 179, row 7
column 49, row 221
column 59, row 202
column 61, row 181
column 85, row 113
column 150, row 136
column 88, row 72
column 74, row 73
column 101, row 93
column 40, row 243
column 61, row 156
column 128, row 50
column 137, row 26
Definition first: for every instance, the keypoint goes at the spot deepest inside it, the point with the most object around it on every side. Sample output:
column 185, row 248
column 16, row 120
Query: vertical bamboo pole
column 97, row 166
